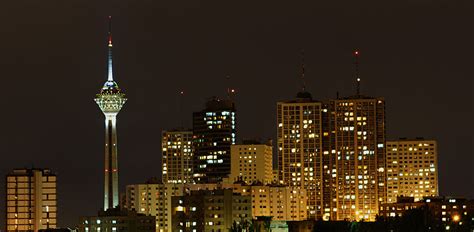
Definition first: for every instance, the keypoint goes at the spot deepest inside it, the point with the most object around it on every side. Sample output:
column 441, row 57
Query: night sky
column 418, row 54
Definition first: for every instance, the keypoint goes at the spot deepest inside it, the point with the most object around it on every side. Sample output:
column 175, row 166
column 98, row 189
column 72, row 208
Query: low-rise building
column 441, row 209
column 153, row 199
column 210, row 210
column 283, row 203
column 117, row 220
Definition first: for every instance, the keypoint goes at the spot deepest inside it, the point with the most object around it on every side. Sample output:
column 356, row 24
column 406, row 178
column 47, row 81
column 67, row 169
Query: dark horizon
column 418, row 55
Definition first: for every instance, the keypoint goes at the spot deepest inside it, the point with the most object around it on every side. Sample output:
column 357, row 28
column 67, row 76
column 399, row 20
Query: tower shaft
column 111, row 195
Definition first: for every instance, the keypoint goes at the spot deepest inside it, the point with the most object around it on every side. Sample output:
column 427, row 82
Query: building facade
column 282, row 203
column 177, row 156
column 412, row 169
column 117, row 220
column 299, row 135
column 356, row 158
column 252, row 162
column 444, row 210
column 275, row 174
column 31, row 200
column 153, row 199
column 210, row 210
column 110, row 99
column 214, row 131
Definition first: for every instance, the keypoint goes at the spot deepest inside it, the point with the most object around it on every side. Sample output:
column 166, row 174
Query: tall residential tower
column 110, row 100
column 214, row 133
column 300, row 148
column 357, row 155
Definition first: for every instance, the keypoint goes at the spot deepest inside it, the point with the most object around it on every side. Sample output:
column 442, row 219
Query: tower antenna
column 357, row 74
column 110, row 75
column 230, row 90
column 180, row 106
column 303, row 80
column 110, row 30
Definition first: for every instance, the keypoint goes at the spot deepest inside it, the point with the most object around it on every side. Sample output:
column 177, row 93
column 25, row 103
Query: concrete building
column 153, row 199
column 31, row 200
column 445, row 210
column 110, row 100
column 210, row 210
column 356, row 158
column 251, row 162
column 177, row 156
column 117, row 220
column 299, row 134
column 412, row 169
column 282, row 203
column 214, row 132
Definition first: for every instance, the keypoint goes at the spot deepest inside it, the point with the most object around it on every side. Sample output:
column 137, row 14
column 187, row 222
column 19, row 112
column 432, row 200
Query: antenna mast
column 357, row 74
column 180, row 106
column 303, row 80
column 230, row 90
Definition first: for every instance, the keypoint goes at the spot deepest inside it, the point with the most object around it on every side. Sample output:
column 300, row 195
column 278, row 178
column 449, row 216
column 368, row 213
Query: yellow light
column 456, row 218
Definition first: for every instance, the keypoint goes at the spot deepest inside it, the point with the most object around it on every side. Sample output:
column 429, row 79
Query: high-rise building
column 252, row 162
column 329, row 170
column 275, row 174
column 214, row 132
column 354, row 156
column 210, row 210
column 357, row 157
column 153, row 199
column 177, row 161
column 299, row 136
column 412, row 169
column 110, row 100
column 31, row 200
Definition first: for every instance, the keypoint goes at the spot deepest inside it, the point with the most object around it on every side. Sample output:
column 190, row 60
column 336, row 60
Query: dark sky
column 418, row 54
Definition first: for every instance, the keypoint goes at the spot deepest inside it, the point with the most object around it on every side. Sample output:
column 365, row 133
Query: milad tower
column 110, row 100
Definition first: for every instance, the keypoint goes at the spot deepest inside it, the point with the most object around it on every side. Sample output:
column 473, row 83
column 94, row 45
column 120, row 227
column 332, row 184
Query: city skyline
column 48, row 67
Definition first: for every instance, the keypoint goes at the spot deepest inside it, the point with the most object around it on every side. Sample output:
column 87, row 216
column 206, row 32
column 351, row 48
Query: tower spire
column 357, row 74
column 110, row 75
column 303, row 80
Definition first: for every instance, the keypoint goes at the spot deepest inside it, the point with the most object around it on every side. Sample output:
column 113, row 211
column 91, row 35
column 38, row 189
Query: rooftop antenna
column 180, row 107
column 230, row 90
column 357, row 74
column 303, row 80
